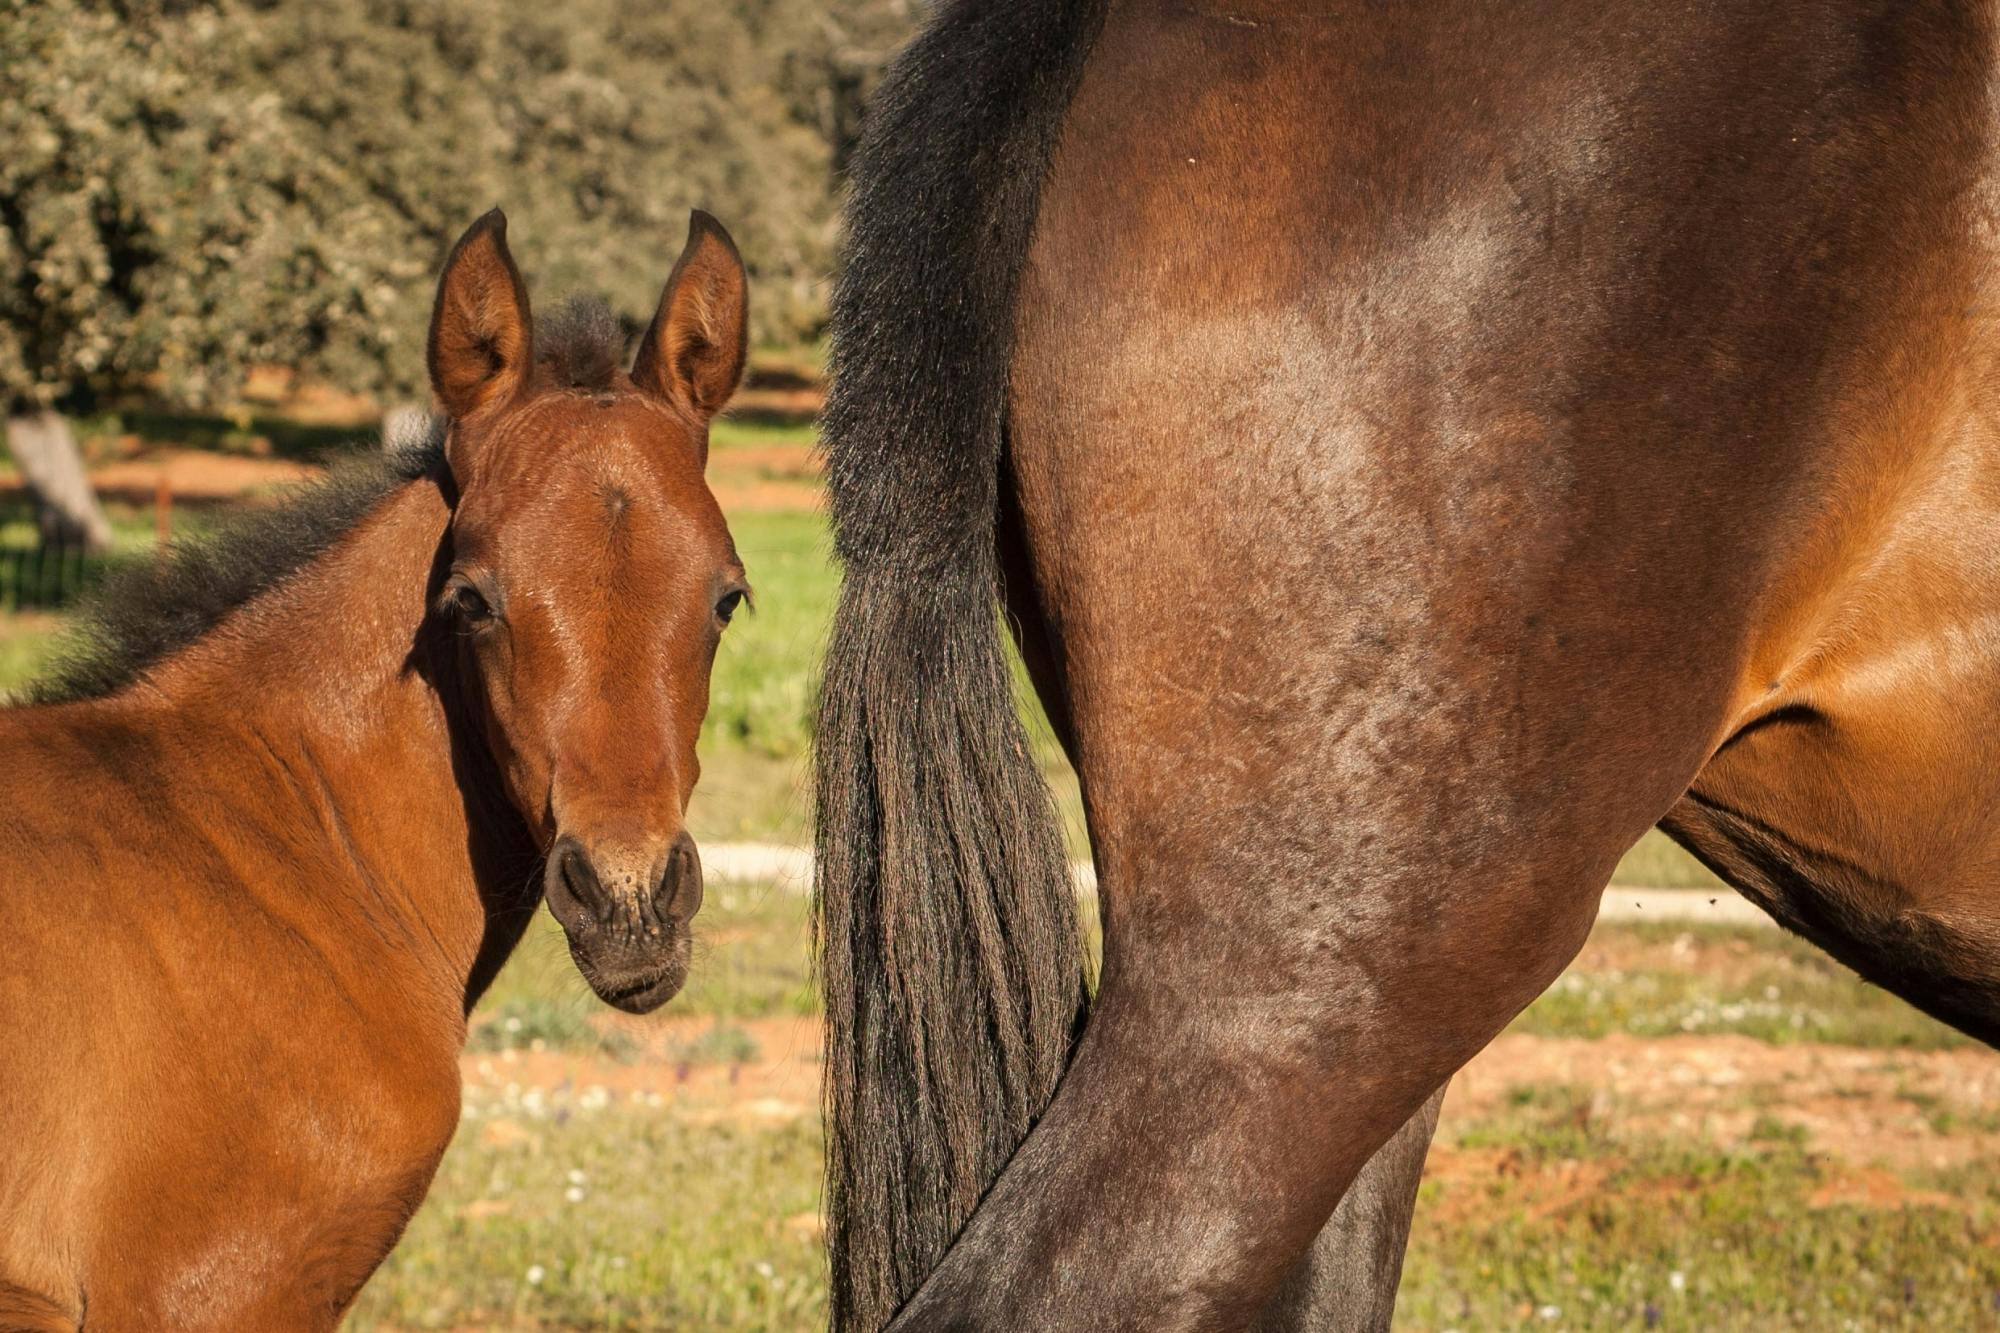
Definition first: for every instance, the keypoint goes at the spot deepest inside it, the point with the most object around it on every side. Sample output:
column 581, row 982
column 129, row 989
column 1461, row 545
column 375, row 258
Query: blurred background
column 219, row 226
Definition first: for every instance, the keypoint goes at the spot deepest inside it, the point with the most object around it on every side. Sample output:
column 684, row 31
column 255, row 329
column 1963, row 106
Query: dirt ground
column 135, row 471
column 1865, row 1113
column 765, row 476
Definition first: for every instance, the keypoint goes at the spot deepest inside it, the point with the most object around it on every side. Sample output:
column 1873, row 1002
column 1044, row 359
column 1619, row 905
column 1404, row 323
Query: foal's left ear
column 693, row 353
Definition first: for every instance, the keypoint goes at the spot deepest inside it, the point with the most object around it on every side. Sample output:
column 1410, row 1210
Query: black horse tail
column 949, row 958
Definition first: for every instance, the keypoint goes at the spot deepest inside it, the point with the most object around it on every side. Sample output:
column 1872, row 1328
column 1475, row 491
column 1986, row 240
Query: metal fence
column 46, row 575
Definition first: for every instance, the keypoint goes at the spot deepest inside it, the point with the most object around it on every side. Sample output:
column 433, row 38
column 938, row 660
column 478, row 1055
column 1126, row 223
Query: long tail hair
column 949, row 958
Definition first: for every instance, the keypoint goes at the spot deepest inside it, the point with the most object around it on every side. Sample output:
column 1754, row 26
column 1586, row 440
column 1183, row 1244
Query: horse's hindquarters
column 1403, row 474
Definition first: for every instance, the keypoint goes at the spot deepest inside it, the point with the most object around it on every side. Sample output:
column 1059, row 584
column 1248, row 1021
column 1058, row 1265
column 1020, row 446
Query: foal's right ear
column 482, row 339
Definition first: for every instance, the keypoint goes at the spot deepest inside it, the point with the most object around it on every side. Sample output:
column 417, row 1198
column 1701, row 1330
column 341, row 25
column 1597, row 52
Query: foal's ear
column 693, row 353
column 482, row 342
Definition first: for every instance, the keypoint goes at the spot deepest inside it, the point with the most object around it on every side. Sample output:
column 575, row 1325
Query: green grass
column 560, row 1021
column 571, row 1208
column 720, row 1043
column 27, row 645
column 728, row 434
column 1666, row 980
column 609, row 1217
column 753, row 743
column 1655, row 862
column 1583, row 1225
column 751, row 947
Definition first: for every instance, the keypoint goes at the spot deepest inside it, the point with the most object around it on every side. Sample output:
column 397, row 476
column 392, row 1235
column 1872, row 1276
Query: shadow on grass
column 296, row 441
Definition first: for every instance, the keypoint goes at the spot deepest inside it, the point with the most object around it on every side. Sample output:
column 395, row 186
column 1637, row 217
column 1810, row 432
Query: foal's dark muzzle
column 626, row 917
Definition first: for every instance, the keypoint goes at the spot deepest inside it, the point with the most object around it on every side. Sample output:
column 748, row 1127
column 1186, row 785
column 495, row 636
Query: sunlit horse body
column 295, row 807
column 1421, row 447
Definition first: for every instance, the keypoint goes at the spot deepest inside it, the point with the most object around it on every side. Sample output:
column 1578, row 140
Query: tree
column 196, row 187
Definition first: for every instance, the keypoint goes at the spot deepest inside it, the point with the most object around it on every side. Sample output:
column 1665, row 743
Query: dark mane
column 147, row 613
column 581, row 342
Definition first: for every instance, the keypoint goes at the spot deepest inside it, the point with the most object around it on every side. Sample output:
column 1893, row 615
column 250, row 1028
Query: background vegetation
column 192, row 188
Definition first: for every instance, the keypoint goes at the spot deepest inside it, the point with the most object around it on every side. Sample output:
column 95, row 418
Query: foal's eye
column 467, row 605
column 726, row 608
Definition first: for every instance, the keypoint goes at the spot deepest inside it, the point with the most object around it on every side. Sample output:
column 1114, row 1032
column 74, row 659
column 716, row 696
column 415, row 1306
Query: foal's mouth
column 637, row 990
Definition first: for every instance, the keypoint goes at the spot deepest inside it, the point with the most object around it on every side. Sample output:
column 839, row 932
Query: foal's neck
column 331, row 722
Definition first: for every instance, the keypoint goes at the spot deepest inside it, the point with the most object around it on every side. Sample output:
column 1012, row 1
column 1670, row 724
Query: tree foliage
column 192, row 188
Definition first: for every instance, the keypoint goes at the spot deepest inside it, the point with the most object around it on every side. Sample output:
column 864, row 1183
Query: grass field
column 1701, row 1129
column 1745, row 1172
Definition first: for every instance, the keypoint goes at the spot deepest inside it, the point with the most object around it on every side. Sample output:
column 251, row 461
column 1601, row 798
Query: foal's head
column 590, row 579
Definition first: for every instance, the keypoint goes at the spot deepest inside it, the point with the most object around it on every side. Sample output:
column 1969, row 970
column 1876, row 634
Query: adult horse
column 276, row 829
column 1421, row 447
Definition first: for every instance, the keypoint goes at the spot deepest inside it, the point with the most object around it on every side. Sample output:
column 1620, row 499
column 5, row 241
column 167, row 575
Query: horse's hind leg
column 1356, row 772
column 1347, row 1281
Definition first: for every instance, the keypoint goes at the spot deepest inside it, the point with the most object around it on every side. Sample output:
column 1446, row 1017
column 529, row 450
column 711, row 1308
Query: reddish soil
column 1860, row 1106
column 781, row 1083
column 134, row 473
column 1865, row 1113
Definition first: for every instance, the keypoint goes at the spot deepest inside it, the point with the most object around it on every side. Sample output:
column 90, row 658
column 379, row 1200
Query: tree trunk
column 66, row 509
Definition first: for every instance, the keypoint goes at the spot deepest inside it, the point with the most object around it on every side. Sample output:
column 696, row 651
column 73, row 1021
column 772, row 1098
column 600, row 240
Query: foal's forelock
column 580, row 344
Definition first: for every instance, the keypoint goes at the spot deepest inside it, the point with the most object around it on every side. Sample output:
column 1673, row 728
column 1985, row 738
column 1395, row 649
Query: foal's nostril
column 576, row 877
column 679, row 894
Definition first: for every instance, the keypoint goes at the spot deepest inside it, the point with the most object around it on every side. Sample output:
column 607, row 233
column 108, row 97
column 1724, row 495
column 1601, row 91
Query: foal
column 264, row 846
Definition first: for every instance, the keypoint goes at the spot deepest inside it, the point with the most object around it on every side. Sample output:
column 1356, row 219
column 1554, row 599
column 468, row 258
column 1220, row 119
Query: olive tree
column 192, row 188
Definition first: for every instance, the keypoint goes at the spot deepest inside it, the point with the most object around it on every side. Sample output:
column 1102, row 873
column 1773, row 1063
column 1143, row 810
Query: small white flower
column 576, row 1177
column 764, row 1269
column 512, row 1025
column 535, row 1275
column 1677, row 1280
column 1550, row 1312
column 574, row 1194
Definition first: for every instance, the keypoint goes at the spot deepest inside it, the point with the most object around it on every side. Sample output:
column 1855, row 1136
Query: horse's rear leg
column 1327, row 883
column 1265, row 1024
column 1347, row 1281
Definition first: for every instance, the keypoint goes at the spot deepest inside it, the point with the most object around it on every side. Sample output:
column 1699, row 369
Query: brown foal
column 265, row 843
